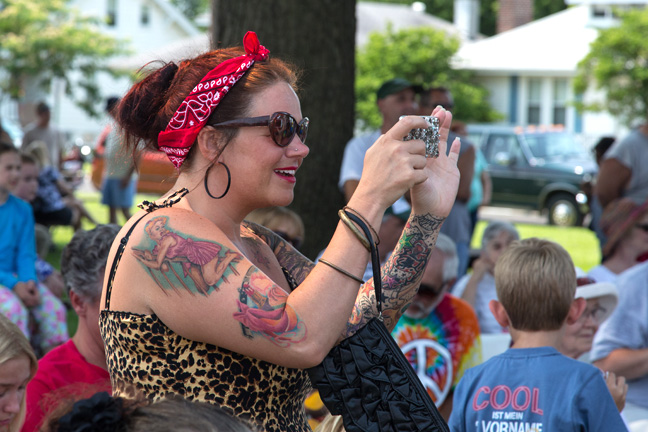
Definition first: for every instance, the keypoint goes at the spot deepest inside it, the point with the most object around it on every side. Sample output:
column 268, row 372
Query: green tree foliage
column 46, row 39
column 618, row 64
column 421, row 55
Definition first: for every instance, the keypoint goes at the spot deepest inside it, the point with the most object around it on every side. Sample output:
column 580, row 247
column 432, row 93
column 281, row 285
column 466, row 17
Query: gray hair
column 84, row 260
column 450, row 258
column 495, row 228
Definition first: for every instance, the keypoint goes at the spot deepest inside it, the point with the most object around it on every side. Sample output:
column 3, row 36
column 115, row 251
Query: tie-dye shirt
column 442, row 346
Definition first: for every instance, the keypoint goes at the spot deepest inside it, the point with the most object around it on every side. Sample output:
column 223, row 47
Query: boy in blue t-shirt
column 532, row 387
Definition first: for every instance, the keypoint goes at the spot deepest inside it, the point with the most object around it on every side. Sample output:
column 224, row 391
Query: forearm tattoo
column 263, row 310
column 400, row 275
column 181, row 262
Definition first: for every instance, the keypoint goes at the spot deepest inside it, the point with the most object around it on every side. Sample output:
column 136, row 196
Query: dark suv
column 537, row 168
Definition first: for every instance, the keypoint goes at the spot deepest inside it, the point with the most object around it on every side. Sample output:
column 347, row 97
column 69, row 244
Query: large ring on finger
column 430, row 136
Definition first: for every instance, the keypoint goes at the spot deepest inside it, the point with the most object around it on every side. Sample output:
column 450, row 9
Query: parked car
column 156, row 173
column 538, row 168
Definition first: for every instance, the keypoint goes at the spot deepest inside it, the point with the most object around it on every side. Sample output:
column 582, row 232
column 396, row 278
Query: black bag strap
column 375, row 260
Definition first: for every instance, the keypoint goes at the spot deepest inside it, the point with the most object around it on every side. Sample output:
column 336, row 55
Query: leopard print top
column 145, row 356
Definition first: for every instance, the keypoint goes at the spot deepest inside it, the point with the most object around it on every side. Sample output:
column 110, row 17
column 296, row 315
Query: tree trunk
column 318, row 36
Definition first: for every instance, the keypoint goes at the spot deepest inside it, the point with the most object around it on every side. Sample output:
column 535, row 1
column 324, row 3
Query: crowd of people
column 201, row 312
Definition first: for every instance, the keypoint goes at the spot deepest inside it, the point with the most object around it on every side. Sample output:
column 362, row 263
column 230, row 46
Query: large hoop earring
column 229, row 182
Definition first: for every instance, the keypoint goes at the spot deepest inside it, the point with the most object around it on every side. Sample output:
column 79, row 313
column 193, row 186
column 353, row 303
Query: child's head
column 535, row 283
column 9, row 168
column 18, row 365
column 282, row 221
column 27, row 186
column 38, row 151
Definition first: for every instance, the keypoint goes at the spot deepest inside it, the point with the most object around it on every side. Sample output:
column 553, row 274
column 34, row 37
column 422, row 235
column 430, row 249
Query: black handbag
column 368, row 381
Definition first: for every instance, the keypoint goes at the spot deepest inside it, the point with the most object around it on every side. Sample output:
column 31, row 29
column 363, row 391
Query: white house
column 147, row 25
column 529, row 70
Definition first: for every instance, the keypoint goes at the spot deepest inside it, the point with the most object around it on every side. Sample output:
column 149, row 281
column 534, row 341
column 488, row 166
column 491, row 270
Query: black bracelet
column 344, row 272
column 357, row 213
column 354, row 229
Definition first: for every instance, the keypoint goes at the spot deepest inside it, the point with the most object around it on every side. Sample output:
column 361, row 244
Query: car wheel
column 563, row 210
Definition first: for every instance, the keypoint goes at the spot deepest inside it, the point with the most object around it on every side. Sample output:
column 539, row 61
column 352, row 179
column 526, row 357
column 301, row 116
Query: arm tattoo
column 289, row 258
column 400, row 275
column 181, row 262
column 263, row 310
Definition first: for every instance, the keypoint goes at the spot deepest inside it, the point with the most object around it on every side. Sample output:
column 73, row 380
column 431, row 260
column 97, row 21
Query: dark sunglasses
column 430, row 290
column 643, row 227
column 295, row 241
column 282, row 125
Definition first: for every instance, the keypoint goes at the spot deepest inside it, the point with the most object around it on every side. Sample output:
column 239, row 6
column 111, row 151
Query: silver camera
column 430, row 136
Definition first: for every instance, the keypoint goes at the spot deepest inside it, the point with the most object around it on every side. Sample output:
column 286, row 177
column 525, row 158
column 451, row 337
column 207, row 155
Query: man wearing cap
column 439, row 333
column 395, row 98
column 621, row 344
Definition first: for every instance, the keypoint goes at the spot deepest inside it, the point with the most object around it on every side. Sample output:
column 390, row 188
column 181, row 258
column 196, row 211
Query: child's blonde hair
column 536, row 283
column 14, row 344
column 38, row 151
column 331, row 423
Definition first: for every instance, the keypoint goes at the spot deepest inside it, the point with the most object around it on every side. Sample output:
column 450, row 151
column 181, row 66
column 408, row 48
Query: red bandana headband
column 183, row 128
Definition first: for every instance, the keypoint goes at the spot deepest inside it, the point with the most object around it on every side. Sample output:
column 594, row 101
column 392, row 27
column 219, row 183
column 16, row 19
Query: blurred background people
column 17, row 366
column 625, row 225
column 29, row 304
column 623, row 171
column 119, row 176
column 55, row 203
column 395, row 97
column 439, row 333
column 26, row 190
column 79, row 365
column 43, row 131
column 478, row 288
column 621, row 343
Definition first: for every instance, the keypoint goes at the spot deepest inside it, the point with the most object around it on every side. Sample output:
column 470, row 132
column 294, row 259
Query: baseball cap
column 396, row 85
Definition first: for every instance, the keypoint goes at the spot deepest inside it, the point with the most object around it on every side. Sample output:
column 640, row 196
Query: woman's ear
column 209, row 143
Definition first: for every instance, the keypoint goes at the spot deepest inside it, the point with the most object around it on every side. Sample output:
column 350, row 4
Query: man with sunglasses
column 458, row 224
column 439, row 333
column 395, row 97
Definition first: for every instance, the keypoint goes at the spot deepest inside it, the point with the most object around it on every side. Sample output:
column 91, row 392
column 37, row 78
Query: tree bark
column 318, row 36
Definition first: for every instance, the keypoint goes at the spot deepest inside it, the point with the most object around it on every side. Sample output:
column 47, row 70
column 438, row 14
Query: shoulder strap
column 118, row 255
column 149, row 207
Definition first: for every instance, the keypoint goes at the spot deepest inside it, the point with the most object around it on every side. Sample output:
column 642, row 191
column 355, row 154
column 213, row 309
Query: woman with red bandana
column 231, row 122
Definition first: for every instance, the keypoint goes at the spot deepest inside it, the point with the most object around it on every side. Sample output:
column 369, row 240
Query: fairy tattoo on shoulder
column 176, row 261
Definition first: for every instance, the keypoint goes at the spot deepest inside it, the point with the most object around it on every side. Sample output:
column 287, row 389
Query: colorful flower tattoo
column 263, row 310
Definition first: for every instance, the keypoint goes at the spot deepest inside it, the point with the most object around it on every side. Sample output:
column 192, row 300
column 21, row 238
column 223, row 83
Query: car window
column 499, row 144
column 554, row 145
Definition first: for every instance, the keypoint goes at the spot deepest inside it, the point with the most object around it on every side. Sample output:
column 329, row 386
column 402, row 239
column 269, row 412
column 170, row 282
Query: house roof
column 551, row 45
column 375, row 17
column 371, row 17
column 178, row 17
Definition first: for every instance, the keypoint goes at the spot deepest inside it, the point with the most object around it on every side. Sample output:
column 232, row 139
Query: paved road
column 512, row 215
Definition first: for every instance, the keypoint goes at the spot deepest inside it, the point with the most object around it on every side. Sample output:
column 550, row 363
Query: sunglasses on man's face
column 282, row 125
column 642, row 226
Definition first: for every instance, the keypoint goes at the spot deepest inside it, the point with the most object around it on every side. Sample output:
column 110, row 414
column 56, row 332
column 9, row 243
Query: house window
column 534, row 99
column 111, row 13
column 145, row 15
column 560, row 101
